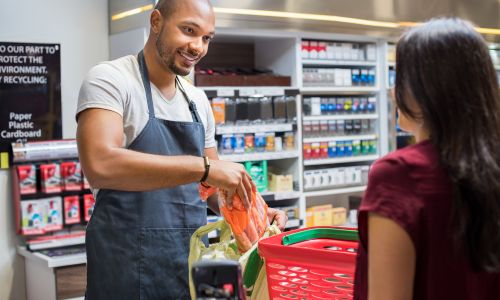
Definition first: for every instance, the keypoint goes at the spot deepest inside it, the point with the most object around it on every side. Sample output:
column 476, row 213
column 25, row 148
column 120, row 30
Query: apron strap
column 191, row 104
column 145, row 80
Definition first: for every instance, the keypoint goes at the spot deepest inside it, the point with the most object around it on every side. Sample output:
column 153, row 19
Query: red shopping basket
column 310, row 263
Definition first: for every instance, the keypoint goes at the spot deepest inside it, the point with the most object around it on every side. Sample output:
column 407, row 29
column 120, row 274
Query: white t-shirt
column 117, row 86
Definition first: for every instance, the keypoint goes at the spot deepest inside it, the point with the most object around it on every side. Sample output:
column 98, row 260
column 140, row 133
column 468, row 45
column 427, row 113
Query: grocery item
column 72, row 210
column 50, row 178
column 71, row 175
column 27, row 179
column 88, row 206
column 247, row 225
column 32, row 217
column 53, row 213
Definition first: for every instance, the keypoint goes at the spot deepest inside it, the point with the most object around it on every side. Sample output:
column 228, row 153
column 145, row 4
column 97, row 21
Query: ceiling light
column 131, row 12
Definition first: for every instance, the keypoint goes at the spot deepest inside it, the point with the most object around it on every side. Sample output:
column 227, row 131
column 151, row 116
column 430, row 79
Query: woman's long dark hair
column 446, row 68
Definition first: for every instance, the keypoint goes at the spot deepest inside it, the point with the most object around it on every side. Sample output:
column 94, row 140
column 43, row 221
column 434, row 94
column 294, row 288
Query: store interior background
column 82, row 29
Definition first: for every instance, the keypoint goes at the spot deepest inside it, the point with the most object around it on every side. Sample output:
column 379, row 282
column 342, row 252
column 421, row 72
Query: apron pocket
column 164, row 263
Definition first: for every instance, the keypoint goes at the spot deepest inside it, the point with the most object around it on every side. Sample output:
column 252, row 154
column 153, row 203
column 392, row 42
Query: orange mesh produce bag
column 247, row 226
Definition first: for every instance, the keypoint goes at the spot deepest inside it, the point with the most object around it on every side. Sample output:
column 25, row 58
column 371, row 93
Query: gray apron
column 138, row 242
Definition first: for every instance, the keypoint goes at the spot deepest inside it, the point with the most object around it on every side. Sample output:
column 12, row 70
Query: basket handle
column 320, row 233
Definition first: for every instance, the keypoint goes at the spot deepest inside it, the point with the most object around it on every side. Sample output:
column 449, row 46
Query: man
column 146, row 140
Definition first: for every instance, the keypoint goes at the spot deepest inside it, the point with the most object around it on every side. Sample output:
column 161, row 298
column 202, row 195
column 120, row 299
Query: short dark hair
column 167, row 7
column 445, row 65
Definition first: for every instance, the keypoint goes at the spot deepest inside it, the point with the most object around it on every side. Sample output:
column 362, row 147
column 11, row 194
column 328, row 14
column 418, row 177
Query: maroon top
column 409, row 187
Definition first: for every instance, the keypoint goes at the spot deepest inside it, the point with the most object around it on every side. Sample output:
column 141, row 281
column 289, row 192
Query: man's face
column 185, row 35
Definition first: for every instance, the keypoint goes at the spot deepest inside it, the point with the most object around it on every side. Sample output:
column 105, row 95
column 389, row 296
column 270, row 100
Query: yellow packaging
column 323, row 215
column 219, row 110
column 339, row 216
column 280, row 183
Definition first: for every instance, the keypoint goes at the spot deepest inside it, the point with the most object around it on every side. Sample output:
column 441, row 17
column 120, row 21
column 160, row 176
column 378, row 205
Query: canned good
column 307, row 128
column 348, row 148
column 315, row 128
column 340, row 149
column 340, row 127
column 227, row 143
column 365, row 145
column 239, row 145
column 323, row 127
column 270, row 141
column 289, row 141
column 356, row 147
column 260, row 141
column 315, row 150
column 332, row 127
column 249, row 143
column 323, row 153
column 307, row 151
column 332, row 149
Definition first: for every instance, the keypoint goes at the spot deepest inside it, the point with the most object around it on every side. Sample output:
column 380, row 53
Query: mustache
column 193, row 53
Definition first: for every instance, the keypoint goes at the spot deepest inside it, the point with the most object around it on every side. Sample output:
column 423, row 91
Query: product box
column 280, row 183
column 219, row 110
column 313, row 50
column 27, row 179
column 50, row 177
column 32, row 217
column 321, row 50
column 305, row 49
column 258, row 171
column 71, row 175
column 88, row 206
column 53, row 213
column 72, row 210
column 339, row 216
column 320, row 215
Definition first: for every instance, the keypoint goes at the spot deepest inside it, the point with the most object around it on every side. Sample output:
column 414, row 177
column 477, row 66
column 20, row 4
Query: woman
column 429, row 223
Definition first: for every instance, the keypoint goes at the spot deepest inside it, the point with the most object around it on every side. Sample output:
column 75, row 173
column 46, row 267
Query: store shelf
column 316, row 62
column 230, row 91
column 347, row 89
column 341, row 117
column 228, row 129
column 259, row 156
column 340, row 138
column 276, row 196
column 53, row 262
column 329, row 161
column 293, row 223
column 77, row 238
column 347, row 190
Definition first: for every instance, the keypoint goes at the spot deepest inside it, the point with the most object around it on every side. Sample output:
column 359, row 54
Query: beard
column 168, row 59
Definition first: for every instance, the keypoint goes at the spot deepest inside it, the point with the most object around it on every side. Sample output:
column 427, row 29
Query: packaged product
column 53, row 213
column 50, row 176
column 247, row 225
column 27, row 179
column 71, row 174
column 72, row 210
column 32, row 217
column 88, row 206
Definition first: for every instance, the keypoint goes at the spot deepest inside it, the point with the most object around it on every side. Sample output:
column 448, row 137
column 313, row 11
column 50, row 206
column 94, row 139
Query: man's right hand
column 233, row 178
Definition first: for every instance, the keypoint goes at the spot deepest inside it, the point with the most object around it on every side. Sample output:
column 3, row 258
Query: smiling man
column 146, row 140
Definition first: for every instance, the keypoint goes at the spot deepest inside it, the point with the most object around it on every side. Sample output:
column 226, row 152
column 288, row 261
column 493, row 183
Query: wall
column 81, row 27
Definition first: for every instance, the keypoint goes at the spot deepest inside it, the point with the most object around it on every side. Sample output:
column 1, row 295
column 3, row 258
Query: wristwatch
column 207, row 168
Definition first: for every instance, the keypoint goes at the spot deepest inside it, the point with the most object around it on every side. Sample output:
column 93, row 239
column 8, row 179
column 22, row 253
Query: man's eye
column 188, row 30
column 207, row 38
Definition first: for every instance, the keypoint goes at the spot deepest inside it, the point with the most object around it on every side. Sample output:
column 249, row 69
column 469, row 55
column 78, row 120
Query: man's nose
column 196, row 45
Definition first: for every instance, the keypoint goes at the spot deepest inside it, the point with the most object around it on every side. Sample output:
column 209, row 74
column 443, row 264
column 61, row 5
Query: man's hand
column 277, row 216
column 233, row 178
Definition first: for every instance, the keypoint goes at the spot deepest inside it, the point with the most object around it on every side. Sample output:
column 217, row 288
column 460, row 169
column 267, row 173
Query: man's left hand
column 278, row 217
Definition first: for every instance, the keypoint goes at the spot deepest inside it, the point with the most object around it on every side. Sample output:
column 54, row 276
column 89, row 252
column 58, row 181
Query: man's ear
column 156, row 21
